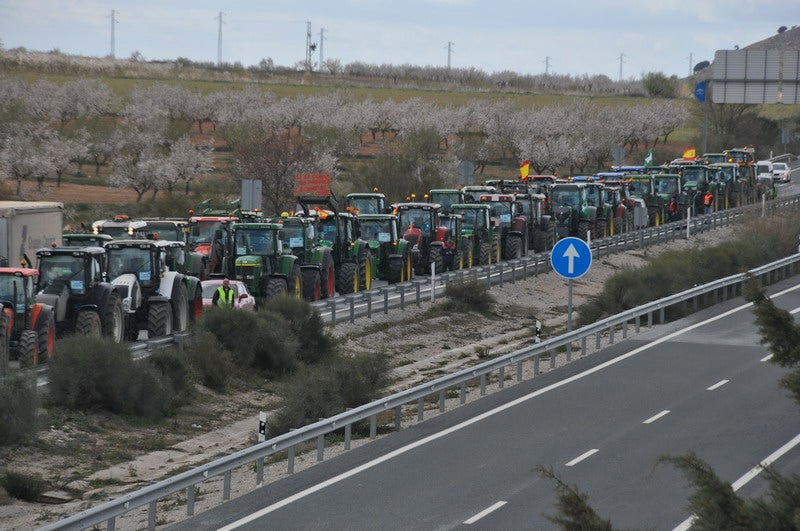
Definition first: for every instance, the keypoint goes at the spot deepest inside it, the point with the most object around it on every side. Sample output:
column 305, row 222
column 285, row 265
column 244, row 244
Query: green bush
column 212, row 362
column 326, row 389
column 316, row 342
column 176, row 368
column 469, row 295
column 18, row 403
column 23, row 486
column 256, row 340
column 94, row 373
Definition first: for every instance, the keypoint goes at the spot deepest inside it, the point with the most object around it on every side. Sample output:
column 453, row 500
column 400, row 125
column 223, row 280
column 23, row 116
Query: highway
column 702, row 384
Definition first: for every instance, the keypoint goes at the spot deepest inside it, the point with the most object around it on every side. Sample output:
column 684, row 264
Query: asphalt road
column 601, row 423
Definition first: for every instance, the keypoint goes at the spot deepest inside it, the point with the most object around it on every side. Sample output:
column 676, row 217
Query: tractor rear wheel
column 513, row 248
column 311, row 285
column 5, row 348
column 584, row 226
column 364, row 269
column 159, row 319
column 602, row 228
column 347, row 278
column 408, row 268
column 485, row 253
column 180, row 308
column 88, row 323
column 28, row 349
column 396, row 270
column 276, row 287
column 111, row 319
column 295, row 282
column 327, row 277
column 46, row 334
column 196, row 305
column 539, row 241
column 436, row 259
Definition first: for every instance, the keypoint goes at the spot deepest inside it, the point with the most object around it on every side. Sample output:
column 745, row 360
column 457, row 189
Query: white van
column 764, row 170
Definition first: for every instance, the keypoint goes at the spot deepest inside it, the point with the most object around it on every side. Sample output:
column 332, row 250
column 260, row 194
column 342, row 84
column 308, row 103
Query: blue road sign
column 700, row 91
column 571, row 257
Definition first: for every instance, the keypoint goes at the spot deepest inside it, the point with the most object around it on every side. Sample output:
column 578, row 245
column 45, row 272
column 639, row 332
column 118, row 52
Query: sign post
column 571, row 258
column 700, row 93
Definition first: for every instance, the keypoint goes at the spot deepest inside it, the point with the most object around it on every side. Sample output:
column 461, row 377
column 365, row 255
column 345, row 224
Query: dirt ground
column 89, row 458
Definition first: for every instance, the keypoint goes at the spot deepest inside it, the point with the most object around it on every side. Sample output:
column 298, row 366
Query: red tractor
column 27, row 328
column 419, row 223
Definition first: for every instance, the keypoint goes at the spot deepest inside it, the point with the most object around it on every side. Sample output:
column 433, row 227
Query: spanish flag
column 523, row 169
column 690, row 154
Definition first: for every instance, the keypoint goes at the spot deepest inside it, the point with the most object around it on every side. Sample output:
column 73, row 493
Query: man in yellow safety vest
column 223, row 297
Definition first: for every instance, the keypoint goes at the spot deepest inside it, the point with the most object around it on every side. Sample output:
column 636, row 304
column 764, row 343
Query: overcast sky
column 525, row 36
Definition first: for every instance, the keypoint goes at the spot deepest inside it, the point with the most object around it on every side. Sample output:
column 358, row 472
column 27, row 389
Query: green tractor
column 696, row 179
column 341, row 233
column 80, row 239
column 571, row 210
column 484, row 236
column 511, row 222
column 316, row 274
column 260, row 262
column 457, row 249
column 668, row 189
column 391, row 253
column 367, row 203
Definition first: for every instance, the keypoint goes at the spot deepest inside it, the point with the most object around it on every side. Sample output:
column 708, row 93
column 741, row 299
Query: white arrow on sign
column 571, row 254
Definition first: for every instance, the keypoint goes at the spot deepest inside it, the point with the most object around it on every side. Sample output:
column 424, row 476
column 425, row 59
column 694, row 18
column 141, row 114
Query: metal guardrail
column 415, row 398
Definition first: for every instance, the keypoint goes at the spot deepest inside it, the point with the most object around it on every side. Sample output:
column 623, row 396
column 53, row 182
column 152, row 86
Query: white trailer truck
column 26, row 226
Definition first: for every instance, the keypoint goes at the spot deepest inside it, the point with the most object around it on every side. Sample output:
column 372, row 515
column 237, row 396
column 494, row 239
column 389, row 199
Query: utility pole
column 114, row 21
column 310, row 47
column 547, row 65
column 219, row 40
column 691, row 60
column 449, row 52
column 621, row 61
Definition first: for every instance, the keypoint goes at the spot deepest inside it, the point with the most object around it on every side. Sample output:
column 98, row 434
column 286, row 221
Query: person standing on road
column 223, row 297
column 708, row 202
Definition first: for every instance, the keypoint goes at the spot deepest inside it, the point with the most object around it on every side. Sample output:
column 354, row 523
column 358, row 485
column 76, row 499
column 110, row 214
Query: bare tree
column 185, row 162
column 64, row 152
column 24, row 155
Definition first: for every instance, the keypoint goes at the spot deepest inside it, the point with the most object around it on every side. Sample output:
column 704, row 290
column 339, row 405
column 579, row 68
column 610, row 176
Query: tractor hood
column 128, row 285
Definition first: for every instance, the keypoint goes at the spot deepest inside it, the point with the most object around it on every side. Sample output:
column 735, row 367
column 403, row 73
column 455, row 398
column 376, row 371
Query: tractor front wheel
column 88, row 323
column 311, row 285
column 28, row 349
column 46, row 334
column 111, row 320
column 276, row 287
column 159, row 319
column 347, row 278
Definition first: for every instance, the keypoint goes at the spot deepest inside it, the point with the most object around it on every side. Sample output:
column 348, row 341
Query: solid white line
column 484, row 512
column 452, row 429
column 582, row 457
column 766, row 358
column 656, row 417
column 717, row 385
column 753, row 472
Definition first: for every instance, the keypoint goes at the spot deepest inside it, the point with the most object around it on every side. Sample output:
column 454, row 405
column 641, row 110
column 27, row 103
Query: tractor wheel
column 364, row 269
column 513, row 248
column 159, row 319
column 5, row 348
column 180, row 308
column 485, row 254
column 437, row 260
column 327, row 278
column 196, row 305
column 408, row 268
column 347, row 278
column 539, row 241
column 276, row 287
column 46, row 334
column 112, row 322
column 88, row 323
column 619, row 225
column 602, row 228
column 311, row 285
column 584, row 226
column 28, row 349
column 295, row 282
column 396, row 270
column 497, row 250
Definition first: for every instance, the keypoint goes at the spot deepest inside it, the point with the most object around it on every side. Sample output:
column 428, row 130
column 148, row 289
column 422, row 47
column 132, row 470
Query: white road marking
column 717, row 385
column 484, row 512
column 753, row 472
column 766, row 358
column 656, row 417
column 452, row 429
column 582, row 457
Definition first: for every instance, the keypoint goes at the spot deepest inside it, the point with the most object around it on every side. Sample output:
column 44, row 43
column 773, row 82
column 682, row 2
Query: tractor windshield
column 133, row 260
column 203, row 231
column 367, row 205
column 294, row 235
column 639, row 188
column 473, row 219
column 570, row 197
column 61, row 269
column 666, row 186
column 418, row 217
column 446, row 198
column 379, row 230
column 255, row 242
column 502, row 210
column 694, row 176
column 11, row 285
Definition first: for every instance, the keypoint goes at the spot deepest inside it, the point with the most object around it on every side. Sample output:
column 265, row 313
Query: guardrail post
column 373, row 426
column 489, row 276
column 649, row 319
column 525, row 269
column 368, row 296
column 320, row 446
column 226, row 485
column 583, row 346
column 417, row 285
column 463, row 393
column 597, row 341
column 514, row 271
column 151, row 516
column 420, row 409
column 190, row 492
column 536, row 365
column 569, row 351
column 398, row 417
column 501, row 268
column 441, row 400
column 536, row 267
column 662, row 317
column 385, row 292
column 332, row 302
column 624, row 329
column 552, row 358
column 638, row 321
column 519, row 371
column 611, row 335
column 291, row 452
column 483, row 384
column 501, row 377
column 348, row 436
column 402, row 292
column 352, row 308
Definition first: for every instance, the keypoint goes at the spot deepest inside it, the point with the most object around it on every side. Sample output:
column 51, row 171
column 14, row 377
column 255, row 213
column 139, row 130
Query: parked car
column 242, row 299
column 780, row 172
